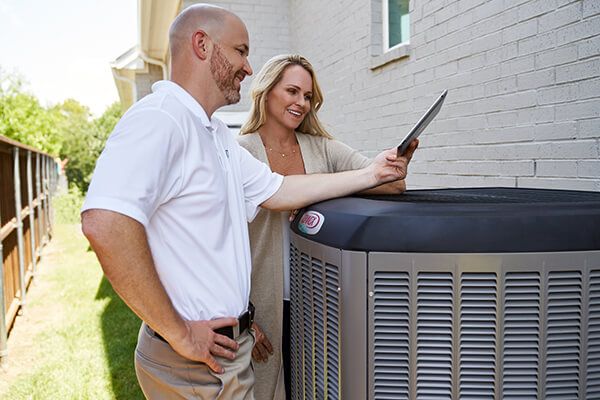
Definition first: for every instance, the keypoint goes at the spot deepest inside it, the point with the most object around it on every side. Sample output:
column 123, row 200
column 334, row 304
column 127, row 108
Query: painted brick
column 589, row 47
column 537, row 114
column 588, row 169
column 517, row 66
column 561, row 17
column 577, row 71
column 536, row 79
column 589, row 89
column 580, row 30
column 558, row 94
column 563, row 55
column 520, row 31
column 556, row 168
column 590, row 8
column 537, row 43
column 558, row 183
column 588, row 128
column 536, row 8
column 555, row 131
column 578, row 110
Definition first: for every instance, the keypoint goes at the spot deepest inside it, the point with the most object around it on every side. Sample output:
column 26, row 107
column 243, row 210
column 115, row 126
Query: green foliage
column 67, row 206
column 66, row 130
column 22, row 118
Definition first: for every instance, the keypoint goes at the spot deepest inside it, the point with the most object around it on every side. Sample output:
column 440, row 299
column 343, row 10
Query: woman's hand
column 293, row 214
column 263, row 348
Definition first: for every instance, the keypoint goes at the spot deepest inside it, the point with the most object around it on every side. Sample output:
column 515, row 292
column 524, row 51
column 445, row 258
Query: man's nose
column 247, row 68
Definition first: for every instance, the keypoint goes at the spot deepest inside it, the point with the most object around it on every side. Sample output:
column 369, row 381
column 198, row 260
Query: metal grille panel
column 319, row 328
column 332, row 287
column 434, row 335
column 593, row 331
column 461, row 327
column 308, row 327
column 315, row 327
column 478, row 315
column 296, row 332
column 521, row 335
column 391, row 316
column 563, row 335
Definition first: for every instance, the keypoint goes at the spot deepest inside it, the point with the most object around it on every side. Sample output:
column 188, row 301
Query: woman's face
column 288, row 102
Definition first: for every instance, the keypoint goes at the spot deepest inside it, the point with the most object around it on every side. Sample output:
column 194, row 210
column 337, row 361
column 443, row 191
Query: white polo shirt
column 185, row 178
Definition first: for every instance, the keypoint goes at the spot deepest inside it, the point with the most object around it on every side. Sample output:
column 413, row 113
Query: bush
column 67, row 206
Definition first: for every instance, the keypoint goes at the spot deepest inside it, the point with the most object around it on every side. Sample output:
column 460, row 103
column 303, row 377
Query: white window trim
column 385, row 54
column 386, row 29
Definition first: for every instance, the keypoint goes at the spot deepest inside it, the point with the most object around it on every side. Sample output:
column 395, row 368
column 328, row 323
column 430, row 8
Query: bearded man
column 167, row 211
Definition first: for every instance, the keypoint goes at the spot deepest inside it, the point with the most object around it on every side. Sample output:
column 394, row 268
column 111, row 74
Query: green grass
column 78, row 337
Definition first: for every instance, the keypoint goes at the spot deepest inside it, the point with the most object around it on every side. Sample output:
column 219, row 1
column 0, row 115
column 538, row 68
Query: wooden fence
column 28, row 178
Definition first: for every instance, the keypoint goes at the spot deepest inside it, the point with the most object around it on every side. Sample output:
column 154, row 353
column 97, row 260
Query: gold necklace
column 282, row 154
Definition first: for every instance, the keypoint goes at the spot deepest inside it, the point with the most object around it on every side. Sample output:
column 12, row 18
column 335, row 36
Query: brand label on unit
column 311, row 222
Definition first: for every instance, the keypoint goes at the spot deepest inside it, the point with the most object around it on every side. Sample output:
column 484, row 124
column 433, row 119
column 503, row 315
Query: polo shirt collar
column 186, row 99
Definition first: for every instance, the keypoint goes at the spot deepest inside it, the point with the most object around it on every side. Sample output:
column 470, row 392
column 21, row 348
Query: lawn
column 76, row 338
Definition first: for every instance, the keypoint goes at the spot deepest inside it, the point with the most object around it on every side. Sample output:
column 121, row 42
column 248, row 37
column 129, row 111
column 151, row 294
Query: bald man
column 167, row 211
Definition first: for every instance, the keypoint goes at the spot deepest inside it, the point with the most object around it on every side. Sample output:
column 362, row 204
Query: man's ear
column 201, row 44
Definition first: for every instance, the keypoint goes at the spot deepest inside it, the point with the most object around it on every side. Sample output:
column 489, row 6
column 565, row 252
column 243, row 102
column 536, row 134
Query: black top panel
column 474, row 220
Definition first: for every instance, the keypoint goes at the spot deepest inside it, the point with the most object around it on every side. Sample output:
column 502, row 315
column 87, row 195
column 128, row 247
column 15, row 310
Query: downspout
column 154, row 61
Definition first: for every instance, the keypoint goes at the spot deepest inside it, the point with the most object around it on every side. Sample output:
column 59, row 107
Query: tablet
column 422, row 124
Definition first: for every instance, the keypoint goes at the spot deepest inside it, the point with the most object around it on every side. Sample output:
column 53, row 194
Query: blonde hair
column 269, row 75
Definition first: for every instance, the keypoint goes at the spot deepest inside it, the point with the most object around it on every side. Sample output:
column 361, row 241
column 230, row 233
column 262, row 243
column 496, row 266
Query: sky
column 62, row 48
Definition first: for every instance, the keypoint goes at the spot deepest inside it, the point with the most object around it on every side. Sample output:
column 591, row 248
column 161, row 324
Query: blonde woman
column 284, row 131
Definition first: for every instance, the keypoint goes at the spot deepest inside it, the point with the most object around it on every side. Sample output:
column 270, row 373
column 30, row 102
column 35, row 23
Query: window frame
column 386, row 27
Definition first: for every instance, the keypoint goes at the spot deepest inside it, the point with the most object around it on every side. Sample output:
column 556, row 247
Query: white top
column 185, row 178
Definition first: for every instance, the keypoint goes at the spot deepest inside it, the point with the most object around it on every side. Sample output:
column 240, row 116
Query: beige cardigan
column 266, row 241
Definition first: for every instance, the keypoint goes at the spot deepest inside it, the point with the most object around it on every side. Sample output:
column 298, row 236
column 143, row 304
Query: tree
column 23, row 119
column 66, row 130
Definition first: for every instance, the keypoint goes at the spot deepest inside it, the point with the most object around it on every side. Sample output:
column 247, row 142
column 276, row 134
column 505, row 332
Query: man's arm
column 122, row 248
column 298, row 191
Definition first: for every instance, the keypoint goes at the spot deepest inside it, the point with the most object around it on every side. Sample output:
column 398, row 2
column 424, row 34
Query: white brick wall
column 523, row 76
column 523, row 107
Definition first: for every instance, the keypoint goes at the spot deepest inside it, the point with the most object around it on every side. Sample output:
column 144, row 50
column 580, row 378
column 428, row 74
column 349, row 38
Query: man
column 167, row 208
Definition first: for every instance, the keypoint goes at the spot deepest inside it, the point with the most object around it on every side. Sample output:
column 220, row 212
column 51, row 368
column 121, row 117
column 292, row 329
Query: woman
column 284, row 131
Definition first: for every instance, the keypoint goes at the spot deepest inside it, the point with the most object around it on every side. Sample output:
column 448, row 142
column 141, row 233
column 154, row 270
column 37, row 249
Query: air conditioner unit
column 481, row 293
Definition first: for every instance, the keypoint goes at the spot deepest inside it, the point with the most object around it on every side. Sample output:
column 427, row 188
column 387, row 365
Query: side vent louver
column 521, row 335
column 434, row 336
column 593, row 331
column 563, row 335
column 478, row 315
column 315, row 327
column 390, row 335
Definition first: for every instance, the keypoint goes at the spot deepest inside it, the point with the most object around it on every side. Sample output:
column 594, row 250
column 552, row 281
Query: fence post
column 3, row 329
column 31, row 213
column 49, row 191
column 18, row 208
column 38, row 186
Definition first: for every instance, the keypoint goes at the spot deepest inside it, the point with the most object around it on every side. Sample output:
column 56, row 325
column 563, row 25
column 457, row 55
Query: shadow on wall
column 120, row 328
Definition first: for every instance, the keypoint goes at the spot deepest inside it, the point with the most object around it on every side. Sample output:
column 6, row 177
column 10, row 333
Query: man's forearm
column 298, row 191
column 122, row 249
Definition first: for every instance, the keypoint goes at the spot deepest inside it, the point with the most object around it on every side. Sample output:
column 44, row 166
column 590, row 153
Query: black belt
column 244, row 322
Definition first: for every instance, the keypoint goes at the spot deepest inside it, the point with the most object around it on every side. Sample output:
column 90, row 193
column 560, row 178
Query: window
column 396, row 23
column 390, row 32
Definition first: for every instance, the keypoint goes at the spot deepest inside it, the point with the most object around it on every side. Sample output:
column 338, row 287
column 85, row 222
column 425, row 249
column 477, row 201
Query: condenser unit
column 483, row 293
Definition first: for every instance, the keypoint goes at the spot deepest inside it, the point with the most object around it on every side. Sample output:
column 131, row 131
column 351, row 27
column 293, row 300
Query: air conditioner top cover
column 471, row 220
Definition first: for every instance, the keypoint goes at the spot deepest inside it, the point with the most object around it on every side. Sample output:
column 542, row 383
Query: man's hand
column 262, row 347
column 387, row 167
column 201, row 343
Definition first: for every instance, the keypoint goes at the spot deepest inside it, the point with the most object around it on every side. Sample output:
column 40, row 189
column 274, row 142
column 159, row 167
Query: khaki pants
column 164, row 374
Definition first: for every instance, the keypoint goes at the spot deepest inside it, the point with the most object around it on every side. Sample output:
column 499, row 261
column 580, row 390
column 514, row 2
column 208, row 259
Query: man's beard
column 224, row 76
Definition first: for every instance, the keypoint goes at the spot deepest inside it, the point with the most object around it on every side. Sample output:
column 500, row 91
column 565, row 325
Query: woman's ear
column 201, row 44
